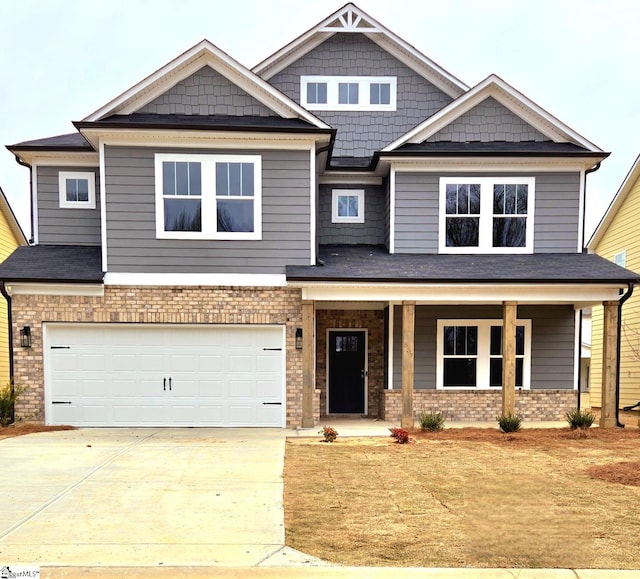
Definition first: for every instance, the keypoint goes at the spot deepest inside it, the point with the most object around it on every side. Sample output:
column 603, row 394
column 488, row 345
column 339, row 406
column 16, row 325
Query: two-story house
column 346, row 229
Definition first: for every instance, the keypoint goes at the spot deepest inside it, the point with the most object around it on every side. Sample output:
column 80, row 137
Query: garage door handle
column 164, row 384
column 169, row 384
column 272, row 403
column 58, row 402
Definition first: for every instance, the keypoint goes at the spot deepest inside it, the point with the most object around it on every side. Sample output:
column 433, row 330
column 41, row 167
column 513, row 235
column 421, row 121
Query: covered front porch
column 473, row 349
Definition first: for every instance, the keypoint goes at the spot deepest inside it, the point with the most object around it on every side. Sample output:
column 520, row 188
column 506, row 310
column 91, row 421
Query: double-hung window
column 486, row 214
column 77, row 190
column 208, row 196
column 469, row 354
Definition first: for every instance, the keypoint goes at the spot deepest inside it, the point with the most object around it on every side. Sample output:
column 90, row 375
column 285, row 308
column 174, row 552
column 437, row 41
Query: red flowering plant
column 400, row 434
column 330, row 434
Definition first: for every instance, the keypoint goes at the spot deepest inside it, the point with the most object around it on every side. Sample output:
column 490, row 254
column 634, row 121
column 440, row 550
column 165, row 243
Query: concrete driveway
column 143, row 497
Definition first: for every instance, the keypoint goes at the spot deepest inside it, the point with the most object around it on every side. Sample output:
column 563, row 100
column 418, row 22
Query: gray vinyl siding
column 552, row 342
column 556, row 217
column 487, row 122
column 387, row 213
column 206, row 92
column 371, row 232
column 131, row 230
column 360, row 133
column 65, row 226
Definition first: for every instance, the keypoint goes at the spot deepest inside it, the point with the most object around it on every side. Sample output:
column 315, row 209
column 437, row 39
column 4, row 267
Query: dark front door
column 346, row 372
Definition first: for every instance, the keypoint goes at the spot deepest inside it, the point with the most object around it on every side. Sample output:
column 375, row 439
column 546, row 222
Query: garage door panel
column 119, row 375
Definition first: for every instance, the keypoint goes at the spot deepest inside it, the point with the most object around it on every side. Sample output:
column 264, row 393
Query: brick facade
column 482, row 405
column 373, row 322
column 156, row 305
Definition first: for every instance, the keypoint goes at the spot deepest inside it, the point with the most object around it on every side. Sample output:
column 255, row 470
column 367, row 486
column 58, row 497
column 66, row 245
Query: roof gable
column 628, row 185
column 507, row 96
column 203, row 54
column 350, row 19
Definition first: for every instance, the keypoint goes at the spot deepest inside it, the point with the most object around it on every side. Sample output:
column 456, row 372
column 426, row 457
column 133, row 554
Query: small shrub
column 400, row 434
column 431, row 421
column 330, row 434
column 8, row 396
column 581, row 419
column 509, row 422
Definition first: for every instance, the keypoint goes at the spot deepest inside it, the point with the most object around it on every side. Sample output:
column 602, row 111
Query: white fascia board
column 195, row 279
column 35, row 225
column 59, row 158
column 376, row 32
column 53, row 289
column 202, row 139
column 462, row 165
column 629, row 181
column 103, row 207
column 204, row 54
column 452, row 294
column 336, row 178
column 313, row 203
column 509, row 97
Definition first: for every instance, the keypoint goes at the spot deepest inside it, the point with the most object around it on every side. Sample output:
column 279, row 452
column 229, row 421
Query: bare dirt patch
column 27, row 428
column 465, row 497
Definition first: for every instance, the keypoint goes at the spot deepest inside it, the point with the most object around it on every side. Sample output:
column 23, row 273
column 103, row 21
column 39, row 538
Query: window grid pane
column 495, row 354
column 462, row 202
column 510, row 202
column 348, row 93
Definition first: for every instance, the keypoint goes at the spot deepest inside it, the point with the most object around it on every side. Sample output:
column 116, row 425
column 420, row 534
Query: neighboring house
column 343, row 230
column 11, row 236
column 617, row 239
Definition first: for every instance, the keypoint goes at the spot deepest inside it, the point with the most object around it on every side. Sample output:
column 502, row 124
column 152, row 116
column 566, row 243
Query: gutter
column 621, row 302
column 3, row 291
column 33, row 225
column 584, row 203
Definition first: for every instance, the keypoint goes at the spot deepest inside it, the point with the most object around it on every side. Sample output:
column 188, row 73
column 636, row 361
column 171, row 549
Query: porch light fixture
column 298, row 338
column 25, row 337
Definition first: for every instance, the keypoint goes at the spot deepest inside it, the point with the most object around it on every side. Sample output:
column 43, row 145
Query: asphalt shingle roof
column 357, row 263
column 67, row 141
column 51, row 263
column 493, row 148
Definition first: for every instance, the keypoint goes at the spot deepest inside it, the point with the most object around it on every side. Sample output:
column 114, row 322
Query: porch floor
column 374, row 427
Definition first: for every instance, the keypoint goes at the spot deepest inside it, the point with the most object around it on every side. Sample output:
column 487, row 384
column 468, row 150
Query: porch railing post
column 308, row 366
column 509, row 313
column 609, row 365
column 408, row 362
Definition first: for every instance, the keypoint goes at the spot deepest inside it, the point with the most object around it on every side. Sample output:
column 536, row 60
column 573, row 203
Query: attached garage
column 164, row 375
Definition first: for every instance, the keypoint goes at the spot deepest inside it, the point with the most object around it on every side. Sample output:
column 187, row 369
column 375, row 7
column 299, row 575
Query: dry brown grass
column 469, row 497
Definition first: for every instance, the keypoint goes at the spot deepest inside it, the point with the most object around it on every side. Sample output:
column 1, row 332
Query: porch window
column 469, row 354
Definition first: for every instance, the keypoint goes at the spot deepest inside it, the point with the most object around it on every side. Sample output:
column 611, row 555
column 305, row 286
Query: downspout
column 584, row 202
column 580, row 360
column 621, row 302
column 318, row 153
column 3, row 291
column 33, row 225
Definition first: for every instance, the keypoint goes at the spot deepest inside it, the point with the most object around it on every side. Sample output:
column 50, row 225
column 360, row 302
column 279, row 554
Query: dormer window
column 348, row 93
column 77, row 190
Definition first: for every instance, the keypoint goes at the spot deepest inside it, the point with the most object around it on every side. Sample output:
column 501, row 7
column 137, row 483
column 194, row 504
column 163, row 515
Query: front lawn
column 470, row 497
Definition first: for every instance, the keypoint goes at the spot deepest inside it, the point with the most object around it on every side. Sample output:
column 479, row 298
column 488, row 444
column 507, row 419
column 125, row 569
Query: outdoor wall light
column 298, row 338
column 25, row 337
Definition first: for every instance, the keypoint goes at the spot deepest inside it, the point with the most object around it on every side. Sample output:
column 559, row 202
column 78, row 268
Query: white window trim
column 484, row 353
column 208, row 197
column 359, row 193
column 621, row 256
column 90, row 176
column 485, row 242
column 364, row 83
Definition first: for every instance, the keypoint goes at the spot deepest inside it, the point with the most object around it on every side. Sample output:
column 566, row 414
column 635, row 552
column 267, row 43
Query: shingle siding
column 361, row 133
column 552, row 342
column 206, row 92
column 131, row 230
column 556, row 218
column 486, row 122
column 65, row 226
column 371, row 232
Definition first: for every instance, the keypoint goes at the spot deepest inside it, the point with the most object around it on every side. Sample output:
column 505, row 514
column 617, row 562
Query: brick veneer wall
column 482, row 405
column 371, row 320
column 156, row 305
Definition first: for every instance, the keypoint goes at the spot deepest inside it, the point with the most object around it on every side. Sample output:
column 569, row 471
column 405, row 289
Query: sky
column 578, row 59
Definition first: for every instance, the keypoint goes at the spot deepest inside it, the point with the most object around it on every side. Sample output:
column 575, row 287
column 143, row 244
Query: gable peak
column 350, row 19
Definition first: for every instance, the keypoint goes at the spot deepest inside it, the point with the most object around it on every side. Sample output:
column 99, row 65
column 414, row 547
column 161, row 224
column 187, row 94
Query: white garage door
column 155, row 375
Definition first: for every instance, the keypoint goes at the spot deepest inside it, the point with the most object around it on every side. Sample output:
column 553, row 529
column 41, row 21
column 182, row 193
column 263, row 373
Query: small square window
column 347, row 206
column 620, row 259
column 380, row 93
column 348, row 93
column 77, row 190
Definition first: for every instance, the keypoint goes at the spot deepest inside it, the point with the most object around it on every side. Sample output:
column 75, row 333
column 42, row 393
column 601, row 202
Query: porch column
column 509, row 313
column 408, row 357
column 308, row 369
column 609, row 365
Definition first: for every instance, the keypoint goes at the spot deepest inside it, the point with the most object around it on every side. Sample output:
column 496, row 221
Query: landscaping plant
column 431, row 421
column 400, row 434
column 330, row 434
column 509, row 422
column 582, row 419
column 8, row 396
